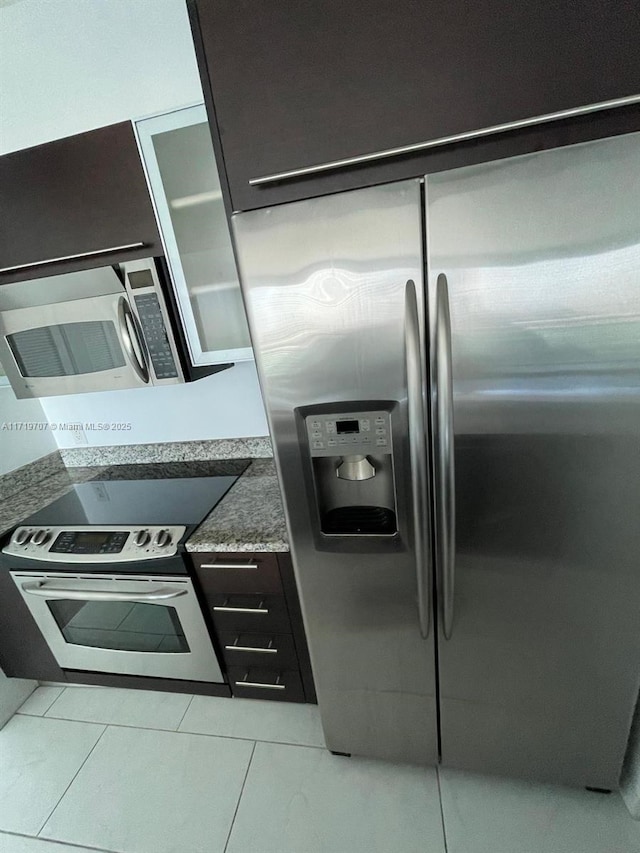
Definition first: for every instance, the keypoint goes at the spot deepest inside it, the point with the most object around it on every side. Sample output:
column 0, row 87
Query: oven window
column 120, row 625
column 67, row 349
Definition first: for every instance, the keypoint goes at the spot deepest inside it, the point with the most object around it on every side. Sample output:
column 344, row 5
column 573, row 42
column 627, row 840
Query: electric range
column 104, row 573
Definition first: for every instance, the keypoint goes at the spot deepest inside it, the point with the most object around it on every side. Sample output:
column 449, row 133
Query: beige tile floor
column 96, row 769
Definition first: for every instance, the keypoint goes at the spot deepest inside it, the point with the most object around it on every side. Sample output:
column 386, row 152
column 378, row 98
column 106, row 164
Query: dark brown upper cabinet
column 79, row 199
column 299, row 83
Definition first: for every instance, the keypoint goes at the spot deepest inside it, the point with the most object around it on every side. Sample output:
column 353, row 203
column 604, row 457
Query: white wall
column 225, row 405
column 68, row 66
column 20, row 446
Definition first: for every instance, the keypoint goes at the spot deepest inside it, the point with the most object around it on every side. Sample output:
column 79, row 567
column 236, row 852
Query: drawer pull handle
column 229, row 566
column 269, row 650
column 225, row 608
column 443, row 140
column 260, row 685
column 251, row 649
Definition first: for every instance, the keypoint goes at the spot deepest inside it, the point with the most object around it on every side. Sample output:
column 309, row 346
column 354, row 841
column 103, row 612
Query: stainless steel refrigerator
column 451, row 368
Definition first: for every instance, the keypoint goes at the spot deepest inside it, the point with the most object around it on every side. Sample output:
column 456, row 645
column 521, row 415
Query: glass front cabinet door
column 183, row 179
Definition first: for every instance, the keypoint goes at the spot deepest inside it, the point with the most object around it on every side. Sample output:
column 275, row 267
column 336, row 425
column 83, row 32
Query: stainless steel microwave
column 94, row 330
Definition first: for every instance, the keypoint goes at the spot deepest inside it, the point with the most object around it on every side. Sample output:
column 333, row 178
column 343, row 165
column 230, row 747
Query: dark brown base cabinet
column 24, row 652
column 252, row 604
column 295, row 84
column 253, row 612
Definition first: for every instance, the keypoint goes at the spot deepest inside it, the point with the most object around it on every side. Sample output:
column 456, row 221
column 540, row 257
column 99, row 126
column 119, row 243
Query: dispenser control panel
column 349, row 433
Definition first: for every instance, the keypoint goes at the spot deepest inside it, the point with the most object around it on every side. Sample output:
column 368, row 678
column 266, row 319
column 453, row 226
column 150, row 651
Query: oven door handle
column 42, row 589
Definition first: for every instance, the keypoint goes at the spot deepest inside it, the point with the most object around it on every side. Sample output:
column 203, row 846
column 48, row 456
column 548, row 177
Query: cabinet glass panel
column 184, row 182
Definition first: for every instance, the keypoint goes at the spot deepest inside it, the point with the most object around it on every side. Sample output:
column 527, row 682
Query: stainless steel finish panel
column 98, row 308
column 66, row 287
column 199, row 663
column 542, row 256
column 95, row 295
column 466, row 136
column 324, row 285
column 22, row 543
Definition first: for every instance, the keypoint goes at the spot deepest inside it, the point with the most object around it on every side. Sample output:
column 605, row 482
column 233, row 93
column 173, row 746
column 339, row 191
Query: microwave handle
column 128, row 323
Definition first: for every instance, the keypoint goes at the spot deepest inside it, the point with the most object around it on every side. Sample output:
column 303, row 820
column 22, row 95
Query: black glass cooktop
column 109, row 499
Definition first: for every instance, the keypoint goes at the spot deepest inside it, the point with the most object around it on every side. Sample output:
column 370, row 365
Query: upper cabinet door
column 184, row 181
column 303, row 83
column 73, row 203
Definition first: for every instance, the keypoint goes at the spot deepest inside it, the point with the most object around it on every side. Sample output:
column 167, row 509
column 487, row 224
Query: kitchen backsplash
column 177, row 451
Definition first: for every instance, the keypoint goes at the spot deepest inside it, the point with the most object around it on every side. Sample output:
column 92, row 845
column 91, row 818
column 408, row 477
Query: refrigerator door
column 538, row 459
column 335, row 326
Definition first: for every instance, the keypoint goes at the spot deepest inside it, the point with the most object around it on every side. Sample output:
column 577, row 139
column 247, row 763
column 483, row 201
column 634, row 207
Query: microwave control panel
column 155, row 335
column 145, row 294
column 349, row 433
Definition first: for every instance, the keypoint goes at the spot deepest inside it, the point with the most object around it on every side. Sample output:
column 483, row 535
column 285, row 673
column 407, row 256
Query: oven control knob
column 40, row 537
column 162, row 538
column 140, row 538
column 22, row 536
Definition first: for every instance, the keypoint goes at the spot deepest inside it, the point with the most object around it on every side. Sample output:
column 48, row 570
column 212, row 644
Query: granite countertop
column 250, row 517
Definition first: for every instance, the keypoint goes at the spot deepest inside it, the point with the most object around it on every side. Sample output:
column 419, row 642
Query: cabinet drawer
column 283, row 685
column 241, row 648
column 238, row 573
column 254, row 613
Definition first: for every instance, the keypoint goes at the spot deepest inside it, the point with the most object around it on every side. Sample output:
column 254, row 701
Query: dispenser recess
column 351, row 459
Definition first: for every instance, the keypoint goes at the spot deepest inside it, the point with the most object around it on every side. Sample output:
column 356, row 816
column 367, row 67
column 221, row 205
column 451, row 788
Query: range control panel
column 346, row 433
column 105, row 544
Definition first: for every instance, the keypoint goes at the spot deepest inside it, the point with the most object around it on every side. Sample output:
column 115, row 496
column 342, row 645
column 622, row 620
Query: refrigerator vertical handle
column 418, row 453
column 445, row 462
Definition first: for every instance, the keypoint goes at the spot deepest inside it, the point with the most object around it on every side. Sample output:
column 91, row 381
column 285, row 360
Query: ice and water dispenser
column 351, row 460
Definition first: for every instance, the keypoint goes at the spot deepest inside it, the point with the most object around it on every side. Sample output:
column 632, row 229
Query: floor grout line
column 54, row 701
column 174, row 731
column 444, row 828
column 185, row 713
column 57, row 841
column 49, row 706
column 244, row 782
column 75, row 776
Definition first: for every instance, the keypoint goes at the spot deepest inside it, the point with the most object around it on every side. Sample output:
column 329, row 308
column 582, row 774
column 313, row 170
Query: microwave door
column 72, row 347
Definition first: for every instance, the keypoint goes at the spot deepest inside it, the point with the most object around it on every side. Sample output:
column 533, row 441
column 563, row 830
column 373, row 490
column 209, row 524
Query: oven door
column 92, row 344
column 127, row 624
